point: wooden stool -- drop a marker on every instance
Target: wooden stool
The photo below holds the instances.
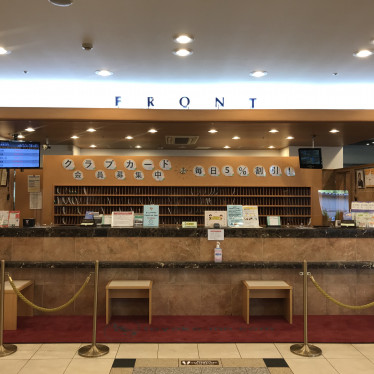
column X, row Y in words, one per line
column 128, row 289
column 13, row 306
column 267, row 289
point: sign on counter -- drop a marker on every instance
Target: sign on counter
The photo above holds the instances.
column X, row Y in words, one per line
column 151, row 216
column 216, row 234
column 234, row 216
column 122, row 219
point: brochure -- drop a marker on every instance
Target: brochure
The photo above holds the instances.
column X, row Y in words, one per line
column 138, row 220
column 106, row 219
column 234, row 216
column 151, row 216
column 250, row 216
column 13, row 220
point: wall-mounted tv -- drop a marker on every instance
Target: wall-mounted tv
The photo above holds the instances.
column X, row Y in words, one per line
column 310, row 158
column 19, row 155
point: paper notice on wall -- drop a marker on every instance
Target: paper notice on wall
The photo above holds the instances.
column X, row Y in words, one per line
column 36, row 200
column 33, row 184
column 4, row 177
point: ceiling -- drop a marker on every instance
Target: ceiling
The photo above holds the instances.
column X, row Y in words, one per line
column 294, row 41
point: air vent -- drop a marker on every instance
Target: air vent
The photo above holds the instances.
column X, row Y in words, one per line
column 181, row 140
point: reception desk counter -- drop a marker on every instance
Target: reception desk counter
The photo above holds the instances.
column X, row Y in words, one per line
column 180, row 264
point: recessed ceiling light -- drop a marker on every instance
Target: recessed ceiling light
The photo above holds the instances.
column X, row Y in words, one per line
column 3, row 51
column 334, row 131
column 273, row 131
column 236, row 137
column 363, row 53
column 271, row 146
column 138, row 146
column 104, row 73
column 290, row 137
column 183, row 52
column 91, row 130
column 367, row 143
column 20, row 136
column 74, row 137
column 183, row 38
column 129, row 137
column 258, row 73
column 30, row 129
column 152, row 131
column 86, row 46
column 92, row 146
column 61, row 2
column 212, row 131
column 226, row 147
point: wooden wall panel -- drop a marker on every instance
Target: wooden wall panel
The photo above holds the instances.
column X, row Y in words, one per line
column 55, row 174
column 22, row 195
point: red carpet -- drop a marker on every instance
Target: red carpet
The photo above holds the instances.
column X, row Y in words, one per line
column 194, row 329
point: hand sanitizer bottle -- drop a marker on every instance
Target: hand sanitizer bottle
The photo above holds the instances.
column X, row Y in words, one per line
column 218, row 253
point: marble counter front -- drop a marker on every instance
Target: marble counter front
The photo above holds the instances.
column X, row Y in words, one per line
column 180, row 263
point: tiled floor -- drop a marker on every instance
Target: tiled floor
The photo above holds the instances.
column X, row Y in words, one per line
column 190, row 359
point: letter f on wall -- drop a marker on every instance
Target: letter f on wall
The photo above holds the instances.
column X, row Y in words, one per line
column 118, row 100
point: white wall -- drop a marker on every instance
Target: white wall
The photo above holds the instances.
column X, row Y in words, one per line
column 166, row 152
column 285, row 152
column 57, row 150
column 332, row 157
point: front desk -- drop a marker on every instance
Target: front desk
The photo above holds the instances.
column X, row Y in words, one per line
column 186, row 281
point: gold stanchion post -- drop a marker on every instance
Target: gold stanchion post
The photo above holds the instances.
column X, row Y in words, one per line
column 5, row 349
column 94, row 350
column 306, row 349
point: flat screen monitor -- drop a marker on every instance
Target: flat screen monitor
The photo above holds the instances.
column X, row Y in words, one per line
column 19, row 155
column 310, row 158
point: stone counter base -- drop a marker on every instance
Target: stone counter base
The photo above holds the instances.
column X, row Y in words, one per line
column 199, row 291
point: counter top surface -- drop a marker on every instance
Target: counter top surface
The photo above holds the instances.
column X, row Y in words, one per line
column 279, row 232
column 191, row 265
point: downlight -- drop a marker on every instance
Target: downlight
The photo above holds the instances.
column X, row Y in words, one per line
column 104, row 73
column 4, row 51
column 183, row 38
column 61, row 2
column 363, row 53
column 183, row 52
column 258, row 73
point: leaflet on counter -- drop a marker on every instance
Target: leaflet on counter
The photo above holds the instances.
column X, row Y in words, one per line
column 151, row 216
column 250, row 216
column 234, row 216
